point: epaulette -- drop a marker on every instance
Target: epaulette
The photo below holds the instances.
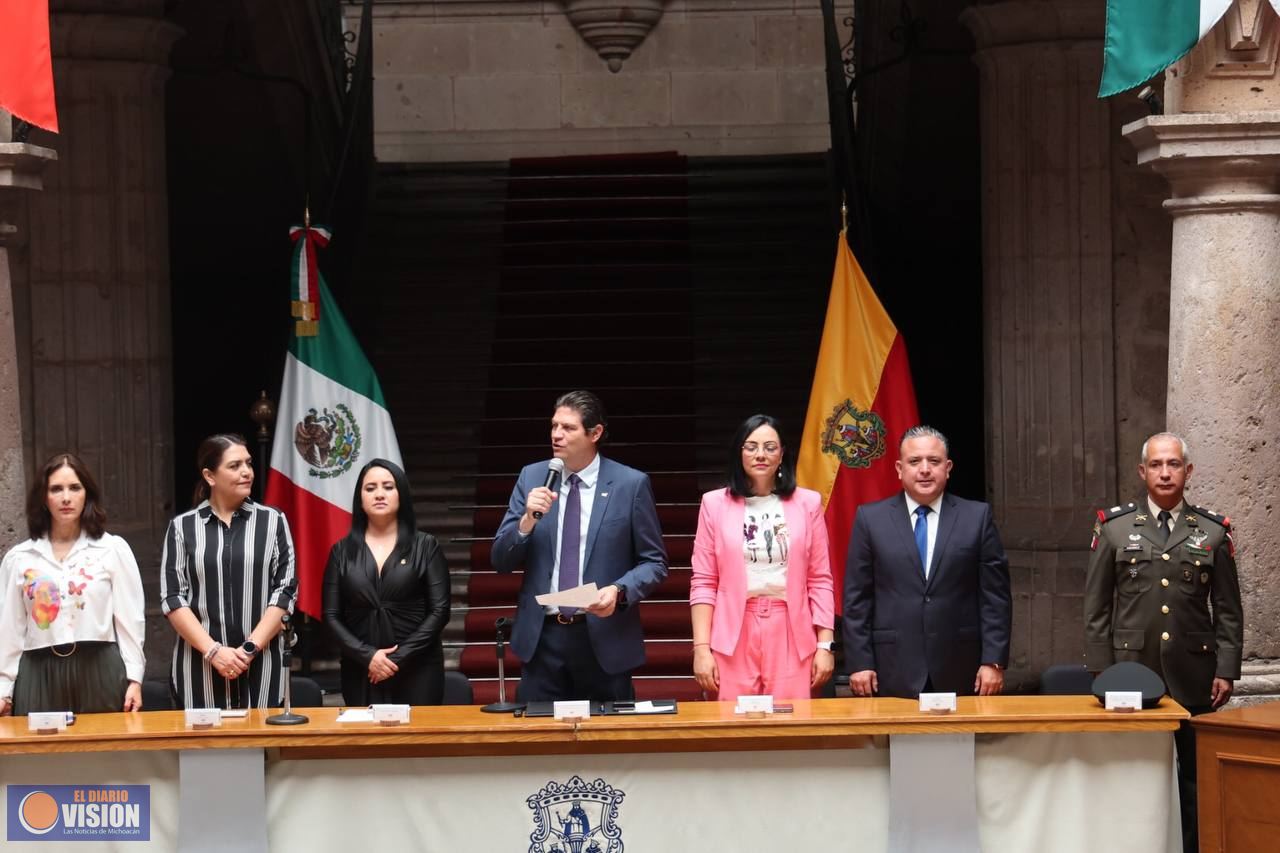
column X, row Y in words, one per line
column 1211, row 515
column 1105, row 515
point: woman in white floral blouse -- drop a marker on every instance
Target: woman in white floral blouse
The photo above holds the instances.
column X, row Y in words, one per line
column 71, row 611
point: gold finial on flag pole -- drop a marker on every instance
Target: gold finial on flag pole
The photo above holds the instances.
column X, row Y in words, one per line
column 844, row 213
column 306, row 211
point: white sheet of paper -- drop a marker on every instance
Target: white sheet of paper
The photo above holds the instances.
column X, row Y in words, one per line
column 356, row 715
column 579, row 596
column 647, row 707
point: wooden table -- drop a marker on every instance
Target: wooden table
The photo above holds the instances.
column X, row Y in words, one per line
column 473, row 772
column 1238, row 768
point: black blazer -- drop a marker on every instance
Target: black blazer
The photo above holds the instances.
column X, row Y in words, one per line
column 407, row 606
column 909, row 630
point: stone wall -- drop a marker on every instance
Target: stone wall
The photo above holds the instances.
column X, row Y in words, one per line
column 477, row 80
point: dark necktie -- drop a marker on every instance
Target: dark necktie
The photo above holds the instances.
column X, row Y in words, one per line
column 922, row 537
column 570, row 536
column 1162, row 521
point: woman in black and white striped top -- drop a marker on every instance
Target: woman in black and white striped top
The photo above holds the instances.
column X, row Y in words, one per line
column 227, row 578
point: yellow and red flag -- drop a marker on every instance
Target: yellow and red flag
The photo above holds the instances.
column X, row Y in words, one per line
column 26, row 66
column 861, row 403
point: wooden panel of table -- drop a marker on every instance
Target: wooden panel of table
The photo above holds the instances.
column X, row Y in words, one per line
column 699, row 726
column 1238, row 768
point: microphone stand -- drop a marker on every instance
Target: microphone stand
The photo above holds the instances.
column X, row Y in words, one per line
column 286, row 717
column 502, row 706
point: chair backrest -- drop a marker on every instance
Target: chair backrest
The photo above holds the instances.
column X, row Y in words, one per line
column 304, row 692
column 156, row 695
column 1066, row 679
column 457, row 688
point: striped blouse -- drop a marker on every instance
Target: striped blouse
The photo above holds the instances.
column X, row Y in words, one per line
column 228, row 575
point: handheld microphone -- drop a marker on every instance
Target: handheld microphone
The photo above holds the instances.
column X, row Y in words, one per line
column 554, row 469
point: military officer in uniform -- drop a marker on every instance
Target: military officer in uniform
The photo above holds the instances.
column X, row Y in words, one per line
column 1157, row 566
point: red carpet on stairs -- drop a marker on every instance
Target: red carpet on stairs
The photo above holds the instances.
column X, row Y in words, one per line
column 595, row 293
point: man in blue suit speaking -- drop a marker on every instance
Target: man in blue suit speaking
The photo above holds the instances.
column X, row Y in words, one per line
column 598, row 524
column 927, row 604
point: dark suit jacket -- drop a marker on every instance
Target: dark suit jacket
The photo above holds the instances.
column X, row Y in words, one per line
column 408, row 607
column 907, row 629
column 624, row 546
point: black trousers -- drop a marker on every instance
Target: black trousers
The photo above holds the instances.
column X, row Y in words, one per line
column 1184, row 741
column 564, row 667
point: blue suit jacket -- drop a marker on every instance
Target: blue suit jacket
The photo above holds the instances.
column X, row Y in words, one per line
column 907, row 629
column 624, row 546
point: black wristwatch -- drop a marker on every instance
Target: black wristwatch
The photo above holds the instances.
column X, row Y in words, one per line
column 622, row 595
column 250, row 648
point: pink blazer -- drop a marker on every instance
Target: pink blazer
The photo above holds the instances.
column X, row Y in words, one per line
column 720, row 570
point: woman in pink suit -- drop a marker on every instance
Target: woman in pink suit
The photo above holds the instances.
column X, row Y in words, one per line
column 761, row 594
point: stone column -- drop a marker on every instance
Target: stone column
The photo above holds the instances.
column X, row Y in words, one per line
column 20, row 167
column 1221, row 158
column 1048, row 336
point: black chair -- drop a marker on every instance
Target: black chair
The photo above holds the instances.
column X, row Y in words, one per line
column 156, row 695
column 457, row 688
column 1066, row 679
column 304, row 692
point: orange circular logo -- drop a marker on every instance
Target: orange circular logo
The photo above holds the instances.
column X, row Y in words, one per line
column 38, row 812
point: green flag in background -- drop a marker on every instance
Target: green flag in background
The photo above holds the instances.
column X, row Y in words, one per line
column 1144, row 37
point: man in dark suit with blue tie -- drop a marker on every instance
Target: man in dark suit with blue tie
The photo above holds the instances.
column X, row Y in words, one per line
column 927, row 604
column 599, row 525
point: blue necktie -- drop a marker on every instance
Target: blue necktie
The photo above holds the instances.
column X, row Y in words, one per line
column 922, row 537
column 570, row 536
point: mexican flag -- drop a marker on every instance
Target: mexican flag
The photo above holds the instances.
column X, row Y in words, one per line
column 1145, row 38
column 332, row 419
column 26, row 67
column 861, row 403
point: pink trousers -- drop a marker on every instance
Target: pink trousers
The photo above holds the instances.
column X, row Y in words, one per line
column 765, row 659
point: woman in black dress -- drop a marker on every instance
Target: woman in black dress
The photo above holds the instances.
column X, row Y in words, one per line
column 386, row 596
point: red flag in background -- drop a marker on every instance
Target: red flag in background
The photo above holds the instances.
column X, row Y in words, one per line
column 861, row 403
column 26, row 66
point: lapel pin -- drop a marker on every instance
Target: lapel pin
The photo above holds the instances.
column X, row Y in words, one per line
column 604, row 494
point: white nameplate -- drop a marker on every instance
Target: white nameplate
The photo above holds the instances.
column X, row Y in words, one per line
column 937, row 703
column 390, row 715
column 574, row 709
column 1124, row 700
column 203, row 718
column 47, row 721
column 762, row 704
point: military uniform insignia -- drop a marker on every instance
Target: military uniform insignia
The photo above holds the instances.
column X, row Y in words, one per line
column 1135, row 536
column 1133, row 546
column 1140, row 518
column 1186, row 574
column 1204, row 577
column 1197, row 538
column 1191, row 520
column 1223, row 520
column 1133, row 571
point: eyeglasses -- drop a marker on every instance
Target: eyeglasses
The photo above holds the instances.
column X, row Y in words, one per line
column 770, row 447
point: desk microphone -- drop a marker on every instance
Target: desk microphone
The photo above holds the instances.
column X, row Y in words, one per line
column 286, row 717
column 502, row 706
column 554, row 469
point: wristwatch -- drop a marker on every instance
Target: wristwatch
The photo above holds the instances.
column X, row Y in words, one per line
column 622, row 595
column 250, row 648
column 826, row 645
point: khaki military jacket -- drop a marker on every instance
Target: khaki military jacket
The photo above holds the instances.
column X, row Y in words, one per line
column 1173, row 606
